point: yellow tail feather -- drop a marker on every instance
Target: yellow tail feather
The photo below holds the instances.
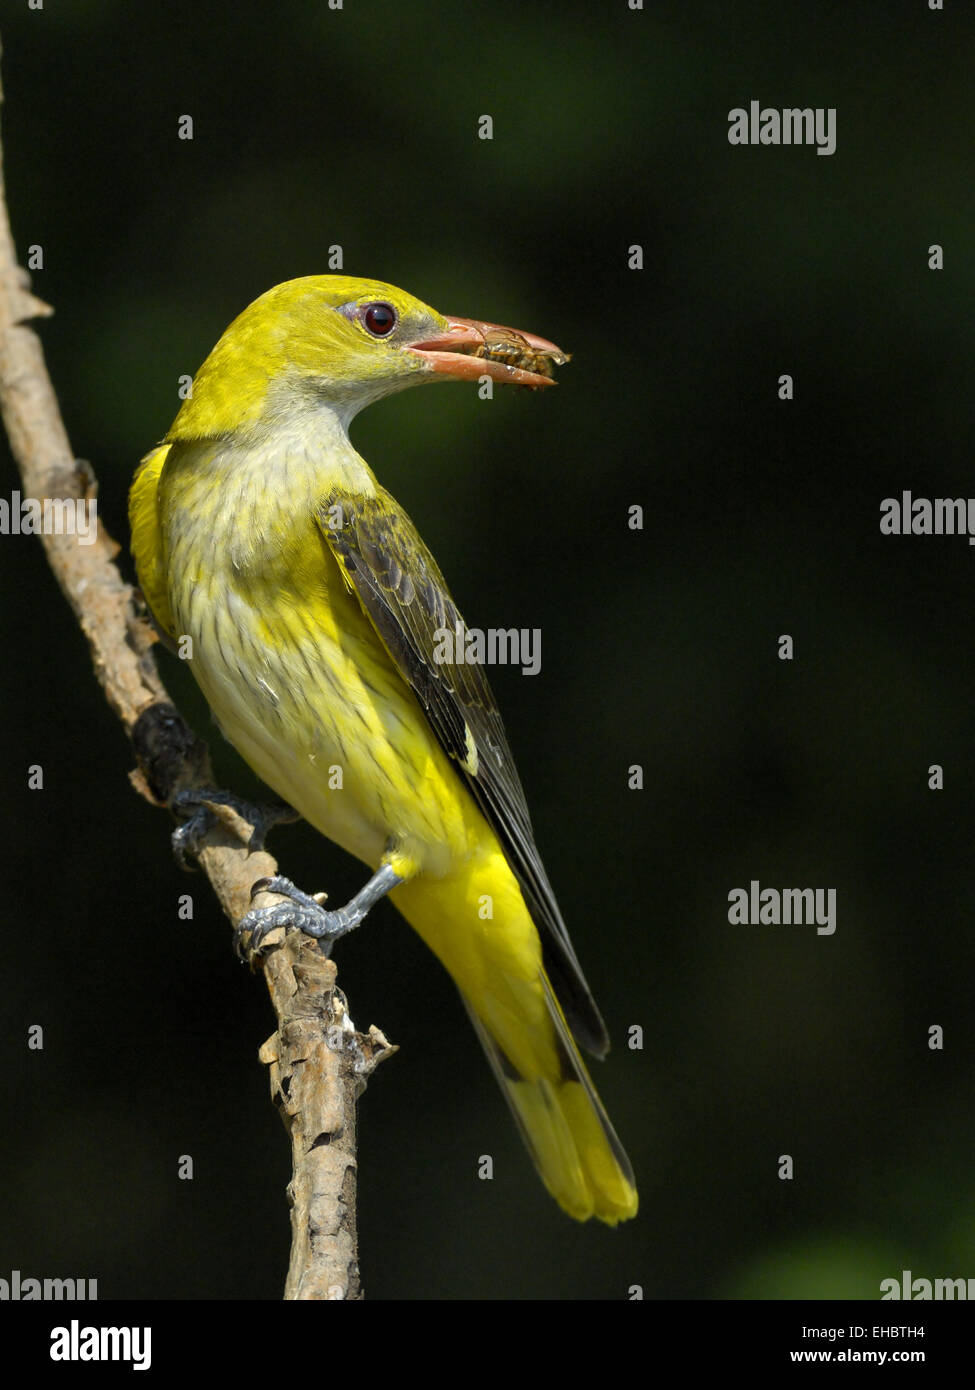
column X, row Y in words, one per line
column 565, row 1128
column 496, row 964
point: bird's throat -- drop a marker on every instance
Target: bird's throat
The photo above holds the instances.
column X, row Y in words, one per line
column 248, row 503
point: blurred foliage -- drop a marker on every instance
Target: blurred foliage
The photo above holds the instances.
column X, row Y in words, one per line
column 316, row 127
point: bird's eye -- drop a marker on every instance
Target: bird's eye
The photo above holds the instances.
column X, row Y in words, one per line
column 379, row 319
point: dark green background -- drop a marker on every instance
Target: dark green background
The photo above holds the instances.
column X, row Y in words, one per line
column 358, row 127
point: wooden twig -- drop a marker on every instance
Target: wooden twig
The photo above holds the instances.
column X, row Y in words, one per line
column 318, row 1063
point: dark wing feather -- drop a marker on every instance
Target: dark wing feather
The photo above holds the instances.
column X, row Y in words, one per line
column 402, row 591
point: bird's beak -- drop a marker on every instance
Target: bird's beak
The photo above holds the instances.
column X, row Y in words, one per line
column 470, row 349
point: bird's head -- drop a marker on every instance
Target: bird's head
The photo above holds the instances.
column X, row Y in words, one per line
column 342, row 342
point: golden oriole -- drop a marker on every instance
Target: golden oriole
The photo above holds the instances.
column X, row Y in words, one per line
column 315, row 611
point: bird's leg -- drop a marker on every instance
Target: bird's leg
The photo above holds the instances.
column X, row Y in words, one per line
column 307, row 914
column 195, row 806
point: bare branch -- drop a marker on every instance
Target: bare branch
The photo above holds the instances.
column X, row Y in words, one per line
column 318, row 1063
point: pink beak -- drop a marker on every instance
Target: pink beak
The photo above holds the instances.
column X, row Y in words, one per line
column 452, row 354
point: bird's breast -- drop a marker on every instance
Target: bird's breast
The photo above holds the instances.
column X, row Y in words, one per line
column 296, row 675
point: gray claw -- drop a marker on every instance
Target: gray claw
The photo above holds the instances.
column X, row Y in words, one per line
column 301, row 912
column 186, row 838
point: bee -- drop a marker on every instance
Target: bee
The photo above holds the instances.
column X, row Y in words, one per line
column 513, row 350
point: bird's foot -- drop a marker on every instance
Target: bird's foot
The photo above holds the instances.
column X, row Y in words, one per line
column 302, row 912
column 196, row 807
column 307, row 914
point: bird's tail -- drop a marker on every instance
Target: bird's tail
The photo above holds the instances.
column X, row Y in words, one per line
column 565, row 1128
column 497, row 966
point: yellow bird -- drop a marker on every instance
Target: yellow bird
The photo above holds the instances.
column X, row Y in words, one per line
column 320, row 626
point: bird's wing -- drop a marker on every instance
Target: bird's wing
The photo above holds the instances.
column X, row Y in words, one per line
column 397, row 581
